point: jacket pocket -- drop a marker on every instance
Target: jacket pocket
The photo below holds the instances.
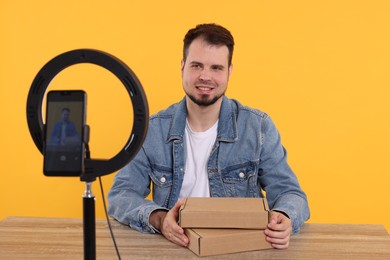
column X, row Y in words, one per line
column 240, row 181
column 162, row 185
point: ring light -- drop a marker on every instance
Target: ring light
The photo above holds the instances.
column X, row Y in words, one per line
column 93, row 167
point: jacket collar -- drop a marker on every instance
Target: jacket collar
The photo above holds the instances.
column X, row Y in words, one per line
column 227, row 125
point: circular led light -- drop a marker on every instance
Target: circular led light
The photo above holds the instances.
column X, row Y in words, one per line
column 93, row 167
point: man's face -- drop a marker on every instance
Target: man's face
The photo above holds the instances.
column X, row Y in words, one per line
column 65, row 115
column 205, row 73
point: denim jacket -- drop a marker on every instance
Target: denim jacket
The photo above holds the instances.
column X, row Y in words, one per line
column 246, row 159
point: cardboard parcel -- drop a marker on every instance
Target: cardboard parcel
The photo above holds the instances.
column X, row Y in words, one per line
column 251, row 213
column 224, row 225
column 207, row 241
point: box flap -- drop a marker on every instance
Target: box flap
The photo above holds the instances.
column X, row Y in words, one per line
column 265, row 205
column 182, row 207
column 194, row 238
column 217, row 204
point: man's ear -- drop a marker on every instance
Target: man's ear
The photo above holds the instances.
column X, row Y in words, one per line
column 230, row 70
column 182, row 67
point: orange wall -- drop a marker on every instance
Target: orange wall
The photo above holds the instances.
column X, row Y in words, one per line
column 319, row 68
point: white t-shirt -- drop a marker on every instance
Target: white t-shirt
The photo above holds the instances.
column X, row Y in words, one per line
column 198, row 147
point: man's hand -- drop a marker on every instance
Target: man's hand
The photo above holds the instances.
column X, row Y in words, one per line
column 278, row 230
column 166, row 222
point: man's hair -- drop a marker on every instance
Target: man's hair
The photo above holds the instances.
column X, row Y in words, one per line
column 213, row 34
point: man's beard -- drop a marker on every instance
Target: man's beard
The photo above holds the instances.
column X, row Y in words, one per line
column 204, row 100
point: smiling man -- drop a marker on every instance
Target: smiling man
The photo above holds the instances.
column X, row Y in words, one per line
column 208, row 145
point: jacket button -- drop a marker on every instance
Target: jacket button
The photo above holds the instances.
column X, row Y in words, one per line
column 241, row 175
column 163, row 179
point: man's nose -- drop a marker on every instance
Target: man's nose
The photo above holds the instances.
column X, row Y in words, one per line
column 204, row 74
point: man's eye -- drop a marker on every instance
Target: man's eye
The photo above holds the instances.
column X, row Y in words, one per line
column 219, row 68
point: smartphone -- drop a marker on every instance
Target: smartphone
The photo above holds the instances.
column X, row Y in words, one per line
column 64, row 147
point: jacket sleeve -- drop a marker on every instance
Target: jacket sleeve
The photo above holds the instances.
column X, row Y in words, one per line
column 278, row 180
column 126, row 199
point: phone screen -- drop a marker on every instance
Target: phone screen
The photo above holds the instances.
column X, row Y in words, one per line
column 65, row 120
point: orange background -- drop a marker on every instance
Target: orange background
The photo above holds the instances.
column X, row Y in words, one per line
column 319, row 68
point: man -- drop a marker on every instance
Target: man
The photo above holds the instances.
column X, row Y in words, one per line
column 64, row 132
column 208, row 146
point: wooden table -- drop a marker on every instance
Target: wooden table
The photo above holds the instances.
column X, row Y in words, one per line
column 53, row 238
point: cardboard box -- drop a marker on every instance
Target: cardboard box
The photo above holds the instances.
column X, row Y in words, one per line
column 244, row 213
column 207, row 242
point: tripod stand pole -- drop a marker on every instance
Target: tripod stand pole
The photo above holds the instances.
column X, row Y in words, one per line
column 89, row 223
